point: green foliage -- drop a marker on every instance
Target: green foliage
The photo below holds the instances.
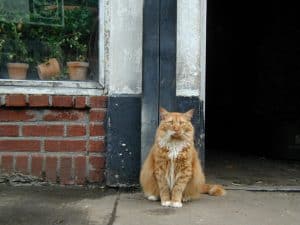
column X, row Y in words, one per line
column 14, row 48
column 36, row 43
column 67, row 43
column 2, row 42
column 76, row 33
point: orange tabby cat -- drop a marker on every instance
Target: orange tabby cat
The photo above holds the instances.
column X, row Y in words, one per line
column 172, row 170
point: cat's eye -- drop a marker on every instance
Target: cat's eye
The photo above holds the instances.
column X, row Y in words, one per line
column 170, row 122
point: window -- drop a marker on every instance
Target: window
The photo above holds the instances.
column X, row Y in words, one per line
column 49, row 40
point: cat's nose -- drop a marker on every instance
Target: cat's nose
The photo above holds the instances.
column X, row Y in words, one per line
column 176, row 129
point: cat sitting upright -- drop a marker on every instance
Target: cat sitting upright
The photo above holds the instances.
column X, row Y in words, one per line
column 172, row 171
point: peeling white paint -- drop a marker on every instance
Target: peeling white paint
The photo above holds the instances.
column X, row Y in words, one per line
column 188, row 66
column 125, row 47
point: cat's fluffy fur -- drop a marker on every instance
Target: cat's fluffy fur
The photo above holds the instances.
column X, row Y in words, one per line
column 172, row 171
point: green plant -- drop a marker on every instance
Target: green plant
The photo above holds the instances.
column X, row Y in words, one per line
column 2, row 42
column 14, row 47
column 76, row 34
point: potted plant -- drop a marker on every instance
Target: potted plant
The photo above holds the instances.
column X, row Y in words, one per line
column 75, row 41
column 51, row 68
column 77, row 60
column 15, row 51
column 49, row 57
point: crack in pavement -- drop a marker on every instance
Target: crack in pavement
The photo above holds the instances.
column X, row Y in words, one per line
column 114, row 212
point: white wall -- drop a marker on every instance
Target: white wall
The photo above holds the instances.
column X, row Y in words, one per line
column 191, row 26
column 123, row 31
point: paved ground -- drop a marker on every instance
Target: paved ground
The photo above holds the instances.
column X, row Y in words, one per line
column 61, row 206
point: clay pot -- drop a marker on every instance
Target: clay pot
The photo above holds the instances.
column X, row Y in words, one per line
column 48, row 69
column 77, row 70
column 17, row 71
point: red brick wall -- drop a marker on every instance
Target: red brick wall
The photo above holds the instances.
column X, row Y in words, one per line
column 57, row 138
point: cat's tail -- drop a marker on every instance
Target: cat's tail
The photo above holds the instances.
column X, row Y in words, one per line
column 212, row 189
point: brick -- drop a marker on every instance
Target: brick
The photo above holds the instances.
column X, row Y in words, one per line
column 51, row 168
column 66, row 171
column 97, row 146
column 43, row 130
column 15, row 100
column 65, row 145
column 96, row 163
column 39, row 100
column 20, row 145
column 97, row 130
column 9, row 130
column 98, row 101
column 37, row 165
column 96, row 171
column 7, row 115
column 80, row 170
column 6, row 163
column 76, row 130
column 97, row 115
column 22, row 164
column 64, row 115
column 96, row 176
column 80, row 102
column 62, row 101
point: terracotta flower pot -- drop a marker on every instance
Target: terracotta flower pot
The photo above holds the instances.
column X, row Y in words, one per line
column 48, row 69
column 77, row 70
column 17, row 71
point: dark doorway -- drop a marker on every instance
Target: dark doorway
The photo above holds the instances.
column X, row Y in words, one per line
column 253, row 84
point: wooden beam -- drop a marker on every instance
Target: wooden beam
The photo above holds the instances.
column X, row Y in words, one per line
column 150, row 98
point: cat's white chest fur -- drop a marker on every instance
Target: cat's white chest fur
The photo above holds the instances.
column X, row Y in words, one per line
column 174, row 147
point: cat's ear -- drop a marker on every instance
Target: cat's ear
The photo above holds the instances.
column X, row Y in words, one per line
column 189, row 114
column 163, row 113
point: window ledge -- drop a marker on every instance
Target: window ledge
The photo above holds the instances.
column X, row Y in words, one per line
column 50, row 87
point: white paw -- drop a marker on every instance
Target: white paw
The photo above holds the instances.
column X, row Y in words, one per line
column 176, row 204
column 152, row 198
column 166, row 203
column 186, row 199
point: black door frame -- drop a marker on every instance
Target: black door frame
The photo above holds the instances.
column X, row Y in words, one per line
column 159, row 65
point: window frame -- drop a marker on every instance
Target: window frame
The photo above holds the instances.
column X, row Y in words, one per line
column 9, row 86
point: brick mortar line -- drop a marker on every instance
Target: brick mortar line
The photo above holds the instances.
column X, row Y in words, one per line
column 50, row 138
column 42, row 146
column 50, row 101
column 46, row 123
column 87, row 97
column 58, row 166
column 73, row 168
column 29, row 164
column 53, row 154
column 65, row 130
column 14, row 161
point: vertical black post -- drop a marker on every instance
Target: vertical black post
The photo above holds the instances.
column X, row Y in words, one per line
column 123, row 140
column 159, row 65
column 150, row 98
column 168, row 22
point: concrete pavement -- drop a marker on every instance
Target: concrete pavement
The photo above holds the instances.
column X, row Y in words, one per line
column 74, row 206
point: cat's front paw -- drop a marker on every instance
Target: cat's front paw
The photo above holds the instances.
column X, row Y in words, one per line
column 166, row 203
column 152, row 198
column 176, row 204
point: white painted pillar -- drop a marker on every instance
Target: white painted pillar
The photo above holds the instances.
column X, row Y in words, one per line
column 123, row 32
column 191, row 41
